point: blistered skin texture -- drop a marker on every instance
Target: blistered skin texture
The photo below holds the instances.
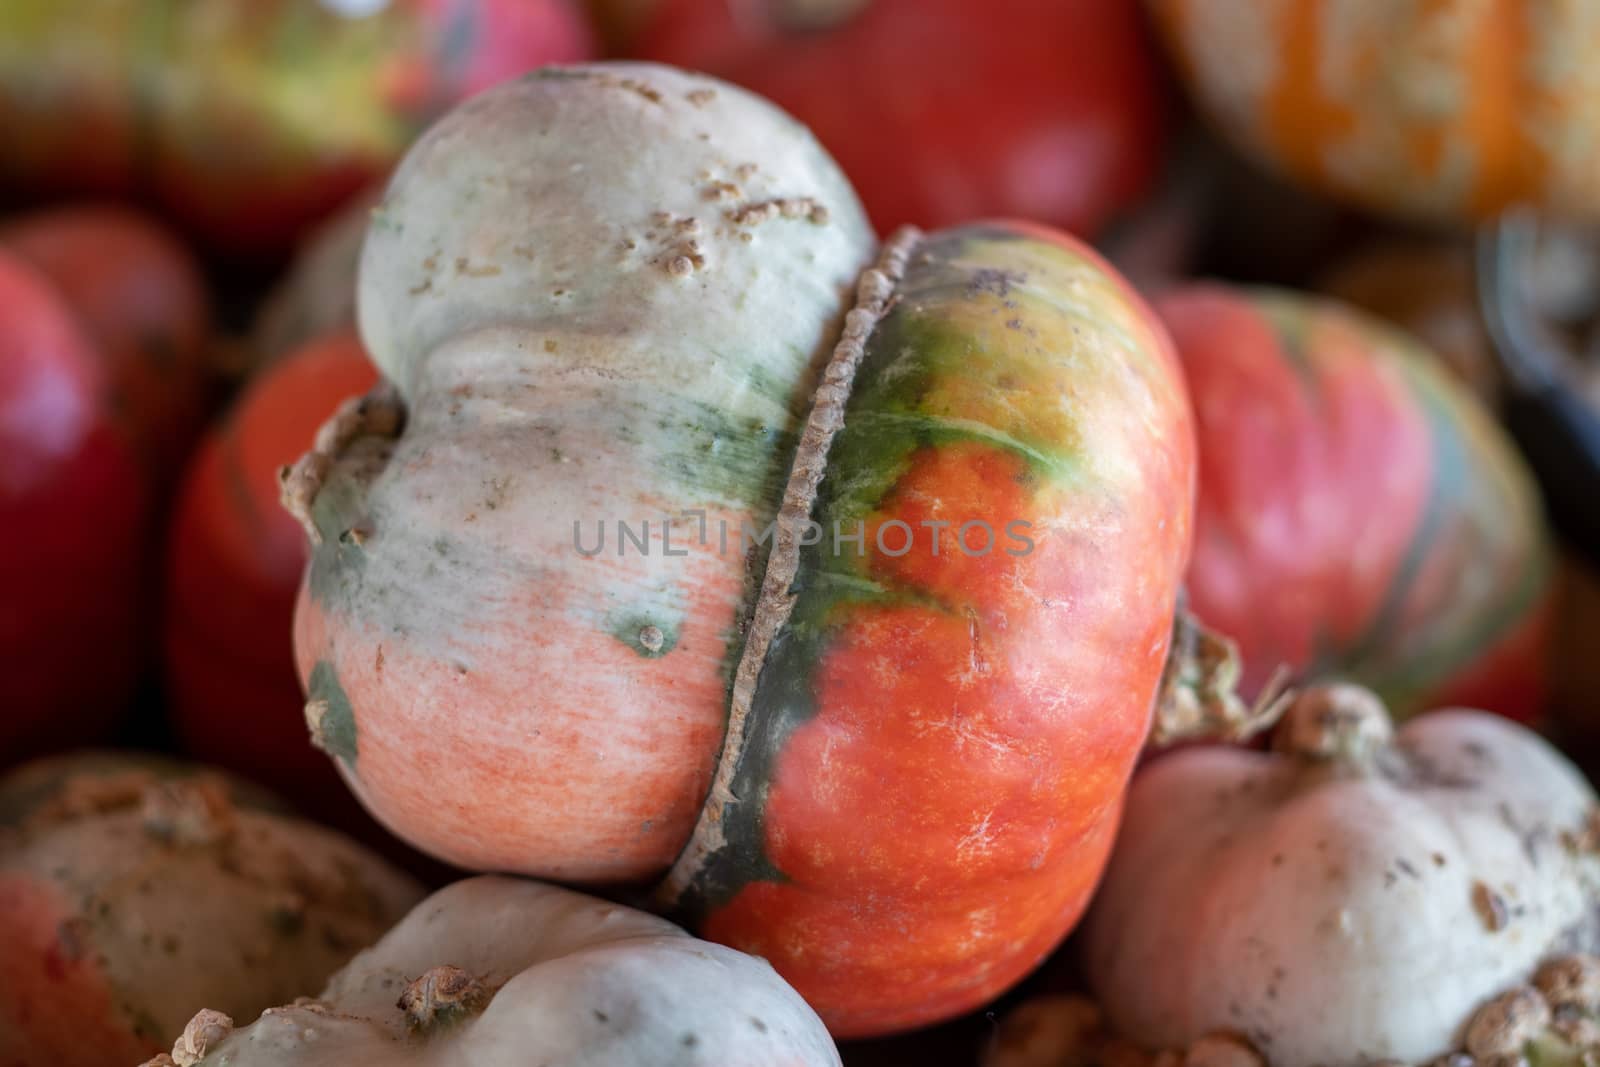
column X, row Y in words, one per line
column 570, row 981
column 1360, row 515
column 74, row 508
column 1446, row 111
column 931, row 773
column 1338, row 917
column 601, row 293
column 234, row 562
column 133, row 893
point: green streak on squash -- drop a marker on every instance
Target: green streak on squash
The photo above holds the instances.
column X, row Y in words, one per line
column 992, row 336
column 336, row 729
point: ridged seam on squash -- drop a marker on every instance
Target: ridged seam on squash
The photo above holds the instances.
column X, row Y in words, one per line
column 874, row 298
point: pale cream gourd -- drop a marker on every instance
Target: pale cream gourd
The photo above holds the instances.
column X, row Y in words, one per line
column 1554, row 1021
column 1354, row 896
column 496, row 970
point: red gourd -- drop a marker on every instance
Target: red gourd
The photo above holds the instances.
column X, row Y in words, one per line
column 1360, row 514
column 140, row 299
column 235, row 559
column 941, row 111
column 75, row 509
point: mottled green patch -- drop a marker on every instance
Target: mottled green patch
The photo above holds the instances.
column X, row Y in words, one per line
column 336, row 733
column 337, row 563
column 915, row 365
column 784, row 701
column 714, row 455
column 651, row 636
column 774, row 384
column 868, row 458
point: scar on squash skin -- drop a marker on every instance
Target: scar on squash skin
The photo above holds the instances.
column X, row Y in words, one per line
column 1491, row 907
column 645, row 636
column 875, row 295
column 610, row 81
column 464, row 268
column 380, row 413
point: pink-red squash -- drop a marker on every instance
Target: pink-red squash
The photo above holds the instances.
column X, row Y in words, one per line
column 1360, row 515
column 76, row 508
column 140, row 299
column 613, row 295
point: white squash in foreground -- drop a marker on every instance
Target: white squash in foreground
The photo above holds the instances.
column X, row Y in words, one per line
column 1355, row 896
column 499, row 971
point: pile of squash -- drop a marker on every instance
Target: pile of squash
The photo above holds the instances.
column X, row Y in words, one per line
column 799, row 564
